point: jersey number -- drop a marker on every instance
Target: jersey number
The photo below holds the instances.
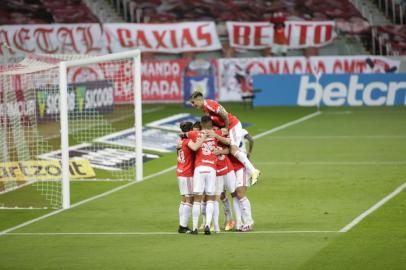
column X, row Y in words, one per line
column 207, row 148
column 181, row 156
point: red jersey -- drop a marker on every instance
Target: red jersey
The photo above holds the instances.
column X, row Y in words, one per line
column 204, row 155
column 236, row 163
column 224, row 165
column 212, row 107
column 186, row 158
column 279, row 36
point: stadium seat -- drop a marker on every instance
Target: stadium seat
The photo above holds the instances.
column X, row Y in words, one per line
column 45, row 11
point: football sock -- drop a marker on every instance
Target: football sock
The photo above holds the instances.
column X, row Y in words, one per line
column 237, row 211
column 242, row 157
column 227, row 209
column 209, row 212
column 187, row 208
column 246, row 211
column 196, row 214
column 204, row 212
column 181, row 212
column 216, row 216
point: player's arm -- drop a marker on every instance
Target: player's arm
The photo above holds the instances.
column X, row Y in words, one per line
column 224, row 115
column 250, row 140
column 221, row 151
column 179, row 145
column 195, row 145
column 218, row 136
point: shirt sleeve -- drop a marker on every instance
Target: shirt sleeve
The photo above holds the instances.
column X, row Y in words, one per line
column 192, row 135
column 212, row 106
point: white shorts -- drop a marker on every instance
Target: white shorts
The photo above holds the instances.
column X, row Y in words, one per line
column 242, row 178
column 226, row 182
column 219, row 185
column 204, row 180
column 236, row 136
column 185, row 185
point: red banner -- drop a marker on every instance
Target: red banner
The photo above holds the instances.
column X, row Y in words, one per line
column 259, row 35
column 161, row 80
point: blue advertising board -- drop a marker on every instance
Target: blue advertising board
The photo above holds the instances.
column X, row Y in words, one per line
column 331, row 90
column 203, row 83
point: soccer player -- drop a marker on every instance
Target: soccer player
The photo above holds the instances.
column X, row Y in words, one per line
column 184, row 173
column 226, row 180
column 241, row 203
column 230, row 124
column 204, row 179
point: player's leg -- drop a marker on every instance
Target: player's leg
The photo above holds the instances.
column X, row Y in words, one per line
column 229, row 185
column 203, row 211
column 185, row 206
column 218, row 192
column 244, row 202
column 182, row 203
column 198, row 188
column 239, row 153
column 188, row 204
column 210, row 190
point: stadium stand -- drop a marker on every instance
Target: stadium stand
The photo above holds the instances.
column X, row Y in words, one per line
column 245, row 10
column 45, row 11
column 389, row 40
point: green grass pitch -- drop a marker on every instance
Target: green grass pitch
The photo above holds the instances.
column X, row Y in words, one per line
column 318, row 176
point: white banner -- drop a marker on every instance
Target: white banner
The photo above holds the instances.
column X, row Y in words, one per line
column 52, row 39
column 107, row 38
column 300, row 34
column 168, row 37
column 235, row 74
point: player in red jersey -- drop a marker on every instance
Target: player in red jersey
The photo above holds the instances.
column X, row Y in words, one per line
column 226, row 180
column 184, row 172
column 229, row 123
column 241, row 203
column 204, row 179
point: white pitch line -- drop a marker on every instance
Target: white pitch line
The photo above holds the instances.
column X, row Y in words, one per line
column 373, row 208
column 344, row 163
column 84, row 201
column 297, row 121
column 9, row 230
column 156, row 233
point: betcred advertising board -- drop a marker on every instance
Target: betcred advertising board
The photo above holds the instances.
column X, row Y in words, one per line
column 331, row 90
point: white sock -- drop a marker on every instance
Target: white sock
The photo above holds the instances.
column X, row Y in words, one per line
column 209, row 212
column 181, row 212
column 242, row 157
column 204, row 212
column 246, row 211
column 196, row 214
column 187, row 208
column 216, row 216
column 227, row 209
column 237, row 211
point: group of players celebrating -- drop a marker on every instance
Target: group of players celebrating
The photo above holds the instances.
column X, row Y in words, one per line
column 211, row 159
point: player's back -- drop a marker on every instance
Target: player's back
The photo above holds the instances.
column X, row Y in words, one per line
column 186, row 158
column 205, row 154
column 212, row 108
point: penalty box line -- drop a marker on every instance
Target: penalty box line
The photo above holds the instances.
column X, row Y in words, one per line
column 260, row 135
column 373, row 208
